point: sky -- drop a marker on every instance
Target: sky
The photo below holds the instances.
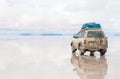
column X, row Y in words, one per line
column 57, row 14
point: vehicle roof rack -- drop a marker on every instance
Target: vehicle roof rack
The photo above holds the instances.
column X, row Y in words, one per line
column 92, row 25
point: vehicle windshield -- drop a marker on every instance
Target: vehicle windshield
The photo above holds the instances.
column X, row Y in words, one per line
column 95, row 34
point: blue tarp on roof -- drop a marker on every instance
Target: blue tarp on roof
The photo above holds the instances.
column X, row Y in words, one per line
column 91, row 25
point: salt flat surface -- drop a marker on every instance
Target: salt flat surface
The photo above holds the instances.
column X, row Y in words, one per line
column 51, row 58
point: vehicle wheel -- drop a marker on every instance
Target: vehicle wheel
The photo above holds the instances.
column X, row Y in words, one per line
column 102, row 52
column 71, row 43
column 82, row 53
column 73, row 48
column 73, row 51
column 91, row 53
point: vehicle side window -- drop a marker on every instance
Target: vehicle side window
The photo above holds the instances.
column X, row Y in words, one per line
column 79, row 34
column 82, row 34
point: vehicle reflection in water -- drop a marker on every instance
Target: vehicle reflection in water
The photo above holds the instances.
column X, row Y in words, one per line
column 90, row 67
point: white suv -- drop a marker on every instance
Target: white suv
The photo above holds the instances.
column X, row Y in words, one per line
column 90, row 38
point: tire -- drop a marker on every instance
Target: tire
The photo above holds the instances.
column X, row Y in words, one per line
column 91, row 53
column 71, row 43
column 73, row 51
column 102, row 52
column 82, row 53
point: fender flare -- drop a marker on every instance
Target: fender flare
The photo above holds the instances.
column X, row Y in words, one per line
column 71, row 43
column 80, row 44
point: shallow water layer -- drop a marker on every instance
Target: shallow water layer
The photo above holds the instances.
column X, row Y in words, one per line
column 51, row 58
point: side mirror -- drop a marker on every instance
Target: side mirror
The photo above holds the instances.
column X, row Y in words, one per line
column 75, row 36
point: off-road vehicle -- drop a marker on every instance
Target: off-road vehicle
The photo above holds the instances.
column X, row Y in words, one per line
column 90, row 38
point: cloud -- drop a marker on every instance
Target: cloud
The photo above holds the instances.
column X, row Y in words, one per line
column 52, row 13
column 86, row 5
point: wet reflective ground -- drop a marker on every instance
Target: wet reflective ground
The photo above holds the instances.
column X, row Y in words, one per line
column 90, row 67
column 52, row 59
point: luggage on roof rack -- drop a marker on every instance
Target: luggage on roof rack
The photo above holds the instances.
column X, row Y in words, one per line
column 91, row 26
